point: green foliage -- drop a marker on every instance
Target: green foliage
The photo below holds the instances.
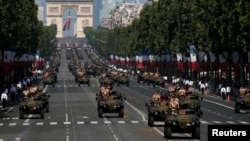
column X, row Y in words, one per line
column 217, row 26
column 21, row 28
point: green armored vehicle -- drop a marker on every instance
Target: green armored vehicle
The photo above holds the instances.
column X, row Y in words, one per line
column 193, row 102
column 122, row 79
column 182, row 121
column 105, row 79
column 158, row 80
column 44, row 98
column 90, row 70
column 114, row 75
column 110, row 103
column 82, row 78
column 31, row 104
column 157, row 111
column 242, row 102
column 49, row 78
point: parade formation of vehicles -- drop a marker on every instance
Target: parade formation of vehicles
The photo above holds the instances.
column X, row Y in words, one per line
column 183, row 117
column 178, row 109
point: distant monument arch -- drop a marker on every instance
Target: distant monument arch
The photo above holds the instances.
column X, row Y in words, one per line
column 80, row 18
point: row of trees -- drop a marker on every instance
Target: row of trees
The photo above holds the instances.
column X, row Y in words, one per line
column 221, row 27
column 21, row 30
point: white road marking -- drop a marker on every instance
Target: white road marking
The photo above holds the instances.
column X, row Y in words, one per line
column 94, row 122
column 134, row 121
column 12, row 124
column 66, row 123
column 26, row 123
column 107, row 122
column 39, row 123
column 121, row 121
column 53, row 123
column 80, row 122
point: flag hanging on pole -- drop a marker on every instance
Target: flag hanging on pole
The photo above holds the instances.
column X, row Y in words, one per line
column 193, row 57
column 67, row 23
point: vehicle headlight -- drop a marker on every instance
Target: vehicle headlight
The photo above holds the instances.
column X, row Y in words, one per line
column 173, row 123
column 195, row 122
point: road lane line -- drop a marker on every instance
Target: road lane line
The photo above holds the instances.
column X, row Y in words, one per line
column 218, row 104
column 143, row 116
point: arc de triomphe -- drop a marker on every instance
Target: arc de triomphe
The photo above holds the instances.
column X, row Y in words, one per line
column 84, row 14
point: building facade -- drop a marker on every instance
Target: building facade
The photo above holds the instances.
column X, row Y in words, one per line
column 125, row 14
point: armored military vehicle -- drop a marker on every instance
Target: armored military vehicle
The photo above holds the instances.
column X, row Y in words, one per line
column 243, row 101
column 157, row 111
column 122, row 79
column 158, row 80
column 82, row 78
column 49, row 78
column 31, row 103
column 90, row 70
column 193, row 102
column 182, row 121
column 44, row 98
column 111, row 103
column 105, row 79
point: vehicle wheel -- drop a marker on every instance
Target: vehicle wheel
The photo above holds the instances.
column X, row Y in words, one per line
column 121, row 113
column 150, row 120
column 79, row 84
column 88, row 83
column 127, row 84
column 53, row 85
column 21, row 114
column 100, row 112
column 47, row 108
column 237, row 108
column 167, row 132
column 196, row 133
column 42, row 114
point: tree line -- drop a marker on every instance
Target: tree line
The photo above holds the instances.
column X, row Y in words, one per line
column 21, row 29
column 217, row 26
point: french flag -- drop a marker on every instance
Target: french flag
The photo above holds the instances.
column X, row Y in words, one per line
column 67, row 24
column 193, row 57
